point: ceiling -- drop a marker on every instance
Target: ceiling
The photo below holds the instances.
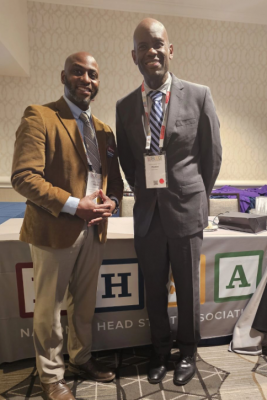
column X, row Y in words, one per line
column 248, row 11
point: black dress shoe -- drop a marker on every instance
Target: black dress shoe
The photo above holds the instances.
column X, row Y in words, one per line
column 184, row 371
column 94, row 370
column 157, row 368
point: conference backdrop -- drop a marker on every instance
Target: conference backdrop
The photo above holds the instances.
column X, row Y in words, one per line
column 229, row 57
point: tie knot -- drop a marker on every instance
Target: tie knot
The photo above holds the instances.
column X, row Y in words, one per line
column 156, row 96
column 84, row 117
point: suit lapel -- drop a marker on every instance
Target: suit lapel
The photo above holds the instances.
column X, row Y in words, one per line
column 139, row 121
column 65, row 115
column 101, row 141
column 174, row 107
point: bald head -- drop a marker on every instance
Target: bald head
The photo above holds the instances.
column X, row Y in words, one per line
column 81, row 79
column 152, row 51
column 81, row 55
column 149, row 24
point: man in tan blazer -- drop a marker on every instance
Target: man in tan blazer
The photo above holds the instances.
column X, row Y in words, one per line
column 64, row 159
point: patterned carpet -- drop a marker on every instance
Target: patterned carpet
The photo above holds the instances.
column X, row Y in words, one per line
column 220, row 375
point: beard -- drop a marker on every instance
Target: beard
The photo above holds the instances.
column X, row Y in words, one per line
column 70, row 92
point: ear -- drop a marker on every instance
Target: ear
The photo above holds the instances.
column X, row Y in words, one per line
column 134, row 57
column 171, row 52
column 63, row 77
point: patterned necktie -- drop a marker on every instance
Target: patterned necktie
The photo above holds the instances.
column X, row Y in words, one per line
column 90, row 143
column 156, row 118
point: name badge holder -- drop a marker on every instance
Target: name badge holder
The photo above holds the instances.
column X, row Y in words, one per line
column 156, row 170
column 94, row 182
column 155, row 164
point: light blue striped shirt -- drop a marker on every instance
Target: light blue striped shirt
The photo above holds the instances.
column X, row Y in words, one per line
column 76, row 112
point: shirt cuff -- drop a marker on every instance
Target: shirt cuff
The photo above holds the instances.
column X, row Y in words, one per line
column 71, row 205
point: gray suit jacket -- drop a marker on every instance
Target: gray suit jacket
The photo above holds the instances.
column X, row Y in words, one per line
column 193, row 150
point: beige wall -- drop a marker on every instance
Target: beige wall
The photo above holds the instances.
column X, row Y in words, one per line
column 14, row 50
column 229, row 57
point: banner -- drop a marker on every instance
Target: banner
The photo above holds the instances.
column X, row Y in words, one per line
column 230, row 269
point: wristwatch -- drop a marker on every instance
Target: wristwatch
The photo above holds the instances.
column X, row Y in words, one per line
column 116, row 209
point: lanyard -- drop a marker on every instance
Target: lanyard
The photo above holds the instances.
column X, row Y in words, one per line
column 164, row 122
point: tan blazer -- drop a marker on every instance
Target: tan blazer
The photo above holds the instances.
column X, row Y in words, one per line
column 49, row 165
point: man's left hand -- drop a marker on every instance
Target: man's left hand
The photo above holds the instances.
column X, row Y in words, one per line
column 105, row 200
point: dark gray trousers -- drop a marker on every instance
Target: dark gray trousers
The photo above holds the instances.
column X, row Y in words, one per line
column 155, row 253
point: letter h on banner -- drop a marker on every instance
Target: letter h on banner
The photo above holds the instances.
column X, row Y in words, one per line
column 109, row 285
column 120, row 286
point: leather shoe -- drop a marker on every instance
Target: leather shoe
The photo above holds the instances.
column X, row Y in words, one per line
column 57, row 391
column 92, row 369
column 184, row 371
column 157, row 368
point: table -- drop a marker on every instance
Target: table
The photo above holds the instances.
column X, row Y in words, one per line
column 11, row 210
column 231, row 268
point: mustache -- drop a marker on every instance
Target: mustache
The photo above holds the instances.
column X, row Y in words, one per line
column 69, row 89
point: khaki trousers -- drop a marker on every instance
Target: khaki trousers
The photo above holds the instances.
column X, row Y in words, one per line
column 56, row 270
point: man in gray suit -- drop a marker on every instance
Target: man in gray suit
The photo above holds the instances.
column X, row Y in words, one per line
column 170, row 151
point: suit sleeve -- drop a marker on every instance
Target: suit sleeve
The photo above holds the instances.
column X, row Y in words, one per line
column 210, row 143
column 115, row 183
column 125, row 153
column 28, row 168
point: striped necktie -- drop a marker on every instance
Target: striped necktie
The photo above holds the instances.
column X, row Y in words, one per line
column 156, row 118
column 90, row 143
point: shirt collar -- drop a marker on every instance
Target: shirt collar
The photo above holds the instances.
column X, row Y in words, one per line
column 76, row 111
column 163, row 88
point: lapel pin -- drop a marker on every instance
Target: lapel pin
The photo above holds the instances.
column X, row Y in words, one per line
column 110, row 151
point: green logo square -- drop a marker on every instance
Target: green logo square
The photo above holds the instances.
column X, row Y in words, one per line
column 237, row 275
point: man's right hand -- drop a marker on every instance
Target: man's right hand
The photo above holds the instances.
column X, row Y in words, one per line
column 89, row 210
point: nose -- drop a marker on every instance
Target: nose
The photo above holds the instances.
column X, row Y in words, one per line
column 86, row 78
column 152, row 51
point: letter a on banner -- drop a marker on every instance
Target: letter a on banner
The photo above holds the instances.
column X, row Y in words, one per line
column 237, row 275
column 241, row 277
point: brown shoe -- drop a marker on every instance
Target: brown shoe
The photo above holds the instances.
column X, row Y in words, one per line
column 92, row 369
column 57, row 391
